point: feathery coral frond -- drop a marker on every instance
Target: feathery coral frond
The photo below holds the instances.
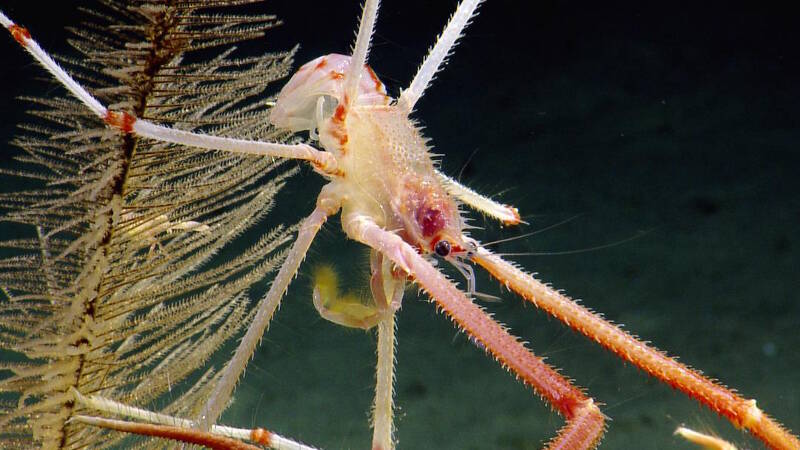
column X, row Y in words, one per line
column 114, row 291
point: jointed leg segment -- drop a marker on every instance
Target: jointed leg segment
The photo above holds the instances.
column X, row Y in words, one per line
column 585, row 422
column 383, row 406
column 127, row 123
column 180, row 434
column 387, row 289
column 266, row 308
column 323, row 161
column 741, row 412
column 150, row 423
column 360, row 49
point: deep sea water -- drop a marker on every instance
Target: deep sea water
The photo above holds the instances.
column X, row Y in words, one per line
column 675, row 126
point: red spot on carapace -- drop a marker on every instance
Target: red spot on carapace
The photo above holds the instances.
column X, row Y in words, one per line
column 337, row 129
column 20, row 34
column 322, row 63
column 337, row 75
column 120, row 120
column 430, row 220
column 340, row 113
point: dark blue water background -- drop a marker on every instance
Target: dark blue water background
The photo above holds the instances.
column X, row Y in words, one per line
column 674, row 123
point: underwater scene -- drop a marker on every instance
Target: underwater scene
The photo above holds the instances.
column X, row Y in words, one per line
column 653, row 152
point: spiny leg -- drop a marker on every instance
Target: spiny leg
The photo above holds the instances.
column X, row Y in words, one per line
column 740, row 412
column 170, row 432
column 433, row 62
column 217, row 401
column 322, row 161
column 438, row 54
column 387, row 290
column 585, row 422
column 383, row 406
column 127, row 123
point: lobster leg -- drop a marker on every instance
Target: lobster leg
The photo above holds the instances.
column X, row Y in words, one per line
column 741, row 412
column 127, row 123
column 217, row 400
column 585, row 422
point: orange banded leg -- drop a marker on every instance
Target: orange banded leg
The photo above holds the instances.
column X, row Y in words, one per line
column 437, row 55
column 739, row 411
column 585, row 422
column 126, row 123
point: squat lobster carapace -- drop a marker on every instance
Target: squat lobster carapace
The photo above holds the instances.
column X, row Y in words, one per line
column 392, row 198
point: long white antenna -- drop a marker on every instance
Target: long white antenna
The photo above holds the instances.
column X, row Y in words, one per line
column 438, row 54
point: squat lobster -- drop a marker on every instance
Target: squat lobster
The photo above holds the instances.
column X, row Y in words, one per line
column 392, row 198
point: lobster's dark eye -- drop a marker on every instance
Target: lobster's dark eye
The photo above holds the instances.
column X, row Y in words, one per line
column 442, row 248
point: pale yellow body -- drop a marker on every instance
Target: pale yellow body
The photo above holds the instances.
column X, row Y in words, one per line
column 384, row 169
column 388, row 173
